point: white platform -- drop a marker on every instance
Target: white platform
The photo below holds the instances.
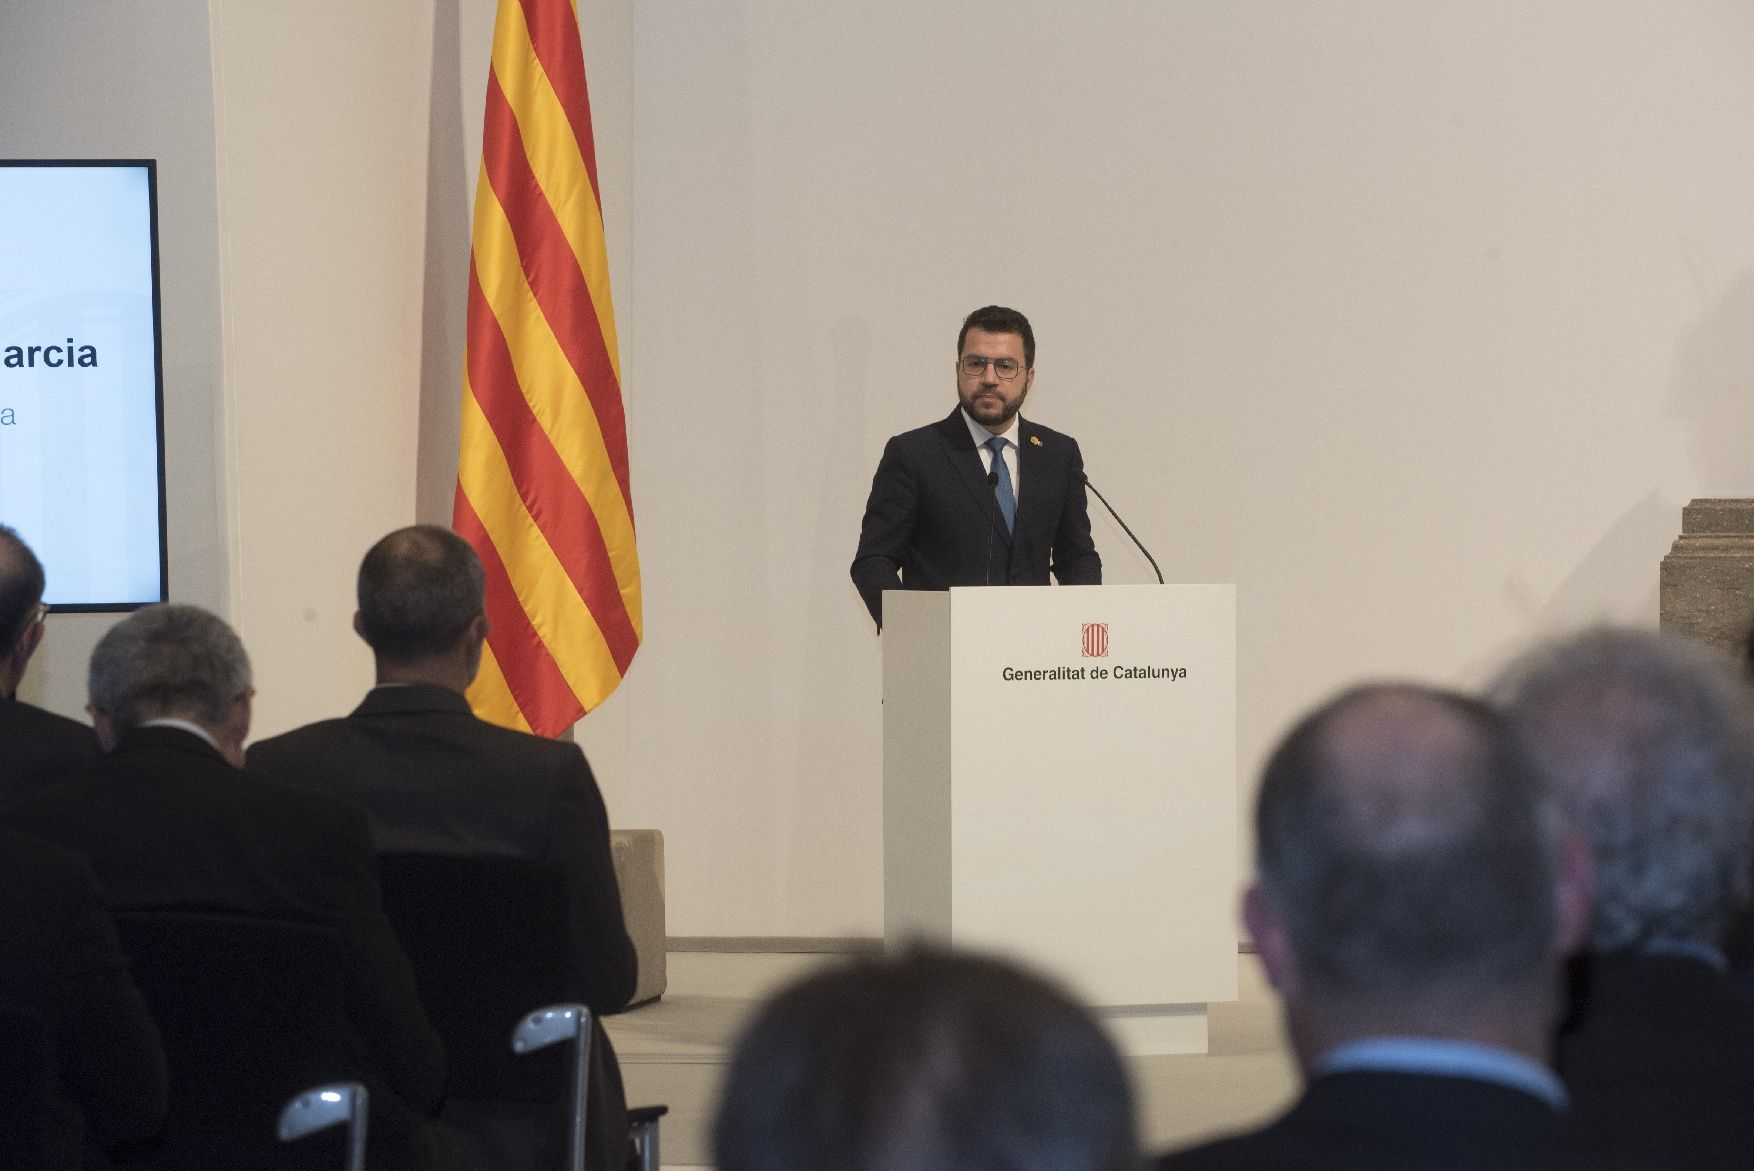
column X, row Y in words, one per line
column 1075, row 810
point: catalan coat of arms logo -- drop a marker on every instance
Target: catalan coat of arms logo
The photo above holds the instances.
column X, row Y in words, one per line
column 1096, row 640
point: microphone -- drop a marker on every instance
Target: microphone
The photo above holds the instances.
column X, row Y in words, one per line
column 1124, row 528
column 992, row 519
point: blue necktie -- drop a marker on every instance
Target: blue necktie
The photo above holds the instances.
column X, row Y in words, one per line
column 1002, row 486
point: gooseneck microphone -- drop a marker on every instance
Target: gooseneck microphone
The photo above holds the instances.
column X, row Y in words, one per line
column 1124, row 528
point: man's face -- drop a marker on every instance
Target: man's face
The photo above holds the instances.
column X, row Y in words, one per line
column 991, row 400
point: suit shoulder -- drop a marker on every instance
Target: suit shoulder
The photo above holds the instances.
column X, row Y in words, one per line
column 297, row 739
column 294, row 800
column 1033, row 431
column 21, row 854
column 929, row 435
column 49, row 730
column 553, row 754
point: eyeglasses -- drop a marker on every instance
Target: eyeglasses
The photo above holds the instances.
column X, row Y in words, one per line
column 974, row 366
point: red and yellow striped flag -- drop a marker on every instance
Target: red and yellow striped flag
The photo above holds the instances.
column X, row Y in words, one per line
column 542, row 484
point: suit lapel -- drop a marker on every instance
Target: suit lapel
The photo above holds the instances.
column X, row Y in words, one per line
column 1037, row 462
column 965, row 458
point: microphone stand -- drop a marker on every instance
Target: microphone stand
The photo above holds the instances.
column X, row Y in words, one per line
column 1125, row 529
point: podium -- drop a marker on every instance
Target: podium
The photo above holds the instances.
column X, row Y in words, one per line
column 1059, row 786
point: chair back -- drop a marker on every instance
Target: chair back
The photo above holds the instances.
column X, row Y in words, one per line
column 36, row 1130
column 486, row 936
column 252, row 1012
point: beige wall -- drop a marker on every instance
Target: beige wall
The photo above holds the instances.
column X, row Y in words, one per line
column 90, row 79
column 322, row 119
column 1418, row 322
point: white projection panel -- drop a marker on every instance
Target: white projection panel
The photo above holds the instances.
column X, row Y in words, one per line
column 81, row 463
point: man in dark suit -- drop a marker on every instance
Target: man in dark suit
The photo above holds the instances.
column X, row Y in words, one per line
column 1649, row 742
column 1413, row 901
column 168, row 820
column 35, row 746
column 63, row 966
column 434, row 778
column 983, row 497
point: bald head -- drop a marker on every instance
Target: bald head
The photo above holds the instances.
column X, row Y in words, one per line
column 1406, row 848
column 21, row 588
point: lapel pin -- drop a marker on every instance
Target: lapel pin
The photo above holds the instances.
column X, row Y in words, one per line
column 1035, row 439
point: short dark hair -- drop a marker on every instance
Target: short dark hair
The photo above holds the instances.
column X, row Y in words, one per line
column 21, row 587
column 1408, row 847
column 168, row 661
column 419, row 588
column 928, row 1060
column 998, row 319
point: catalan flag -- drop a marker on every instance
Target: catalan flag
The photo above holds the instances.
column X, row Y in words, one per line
column 542, row 480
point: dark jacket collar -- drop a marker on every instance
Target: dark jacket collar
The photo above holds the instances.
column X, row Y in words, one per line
column 954, row 429
column 408, row 698
column 177, row 739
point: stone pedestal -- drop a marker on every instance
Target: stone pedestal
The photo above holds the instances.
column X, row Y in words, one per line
column 639, row 871
column 1708, row 577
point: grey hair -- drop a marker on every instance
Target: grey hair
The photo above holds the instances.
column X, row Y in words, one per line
column 1648, row 740
column 168, row 661
column 1408, row 848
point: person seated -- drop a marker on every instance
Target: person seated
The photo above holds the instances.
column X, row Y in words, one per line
column 170, row 820
column 433, row 778
column 1413, row 902
column 1648, row 740
column 64, row 969
column 930, row 1061
column 36, row 746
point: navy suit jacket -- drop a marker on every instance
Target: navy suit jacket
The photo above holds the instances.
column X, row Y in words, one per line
column 1658, row 1055
column 1388, row 1121
column 38, row 747
column 64, row 966
column 433, row 778
column 168, row 824
column 931, row 521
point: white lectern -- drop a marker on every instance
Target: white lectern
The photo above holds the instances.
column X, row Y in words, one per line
column 1059, row 784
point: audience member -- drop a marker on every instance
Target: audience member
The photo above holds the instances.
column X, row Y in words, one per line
column 35, row 745
column 930, row 1061
column 1413, row 901
column 64, row 968
column 434, row 778
column 169, row 821
column 1648, row 742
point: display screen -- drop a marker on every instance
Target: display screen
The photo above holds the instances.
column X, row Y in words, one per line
column 81, row 381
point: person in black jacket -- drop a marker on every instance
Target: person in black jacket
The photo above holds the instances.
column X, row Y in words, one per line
column 64, row 968
column 1414, row 899
column 947, row 509
column 1649, row 742
column 169, row 820
column 433, row 778
column 36, row 746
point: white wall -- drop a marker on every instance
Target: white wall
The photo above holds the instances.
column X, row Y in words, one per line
column 1418, row 322
column 322, row 117
column 87, row 79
